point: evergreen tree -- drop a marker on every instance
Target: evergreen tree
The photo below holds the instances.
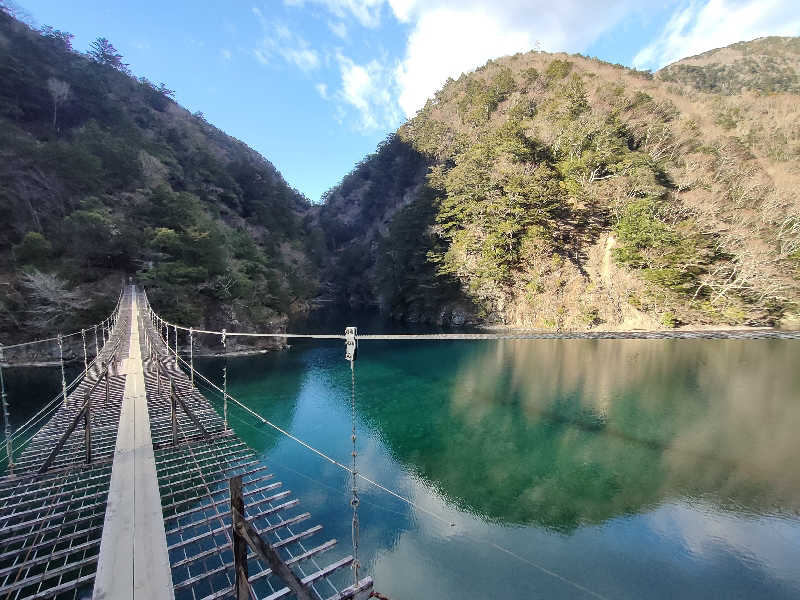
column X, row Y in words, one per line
column 105, row 53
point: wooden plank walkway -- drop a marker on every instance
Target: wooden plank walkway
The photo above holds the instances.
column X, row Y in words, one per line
column 133, row 554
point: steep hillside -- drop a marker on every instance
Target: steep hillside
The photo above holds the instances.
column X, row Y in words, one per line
column 765, row 65
column 103, row 176
column 563, row 192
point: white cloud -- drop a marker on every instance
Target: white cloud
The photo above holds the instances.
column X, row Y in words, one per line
column 368, row 89
column 322, row 90
column 402, row 9
column 226, row 54
column 697, row 27
column 448, row 39
column 366, row 12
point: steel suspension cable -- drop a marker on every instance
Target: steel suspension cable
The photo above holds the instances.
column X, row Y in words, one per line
column 351, row 355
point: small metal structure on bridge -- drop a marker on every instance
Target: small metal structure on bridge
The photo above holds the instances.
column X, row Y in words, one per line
column 126, row 492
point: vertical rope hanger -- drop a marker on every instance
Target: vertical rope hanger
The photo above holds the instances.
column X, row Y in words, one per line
column 6, row 417
column 191, row 353
column 61, row 356
column 96, row 345
column 85, row 357
column 225, row 381
column 351, row 348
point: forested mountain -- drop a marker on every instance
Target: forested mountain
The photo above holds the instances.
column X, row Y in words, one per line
column 103, row 176
column 556, row 191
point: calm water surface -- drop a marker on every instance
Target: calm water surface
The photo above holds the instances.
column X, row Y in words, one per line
column 570, row 468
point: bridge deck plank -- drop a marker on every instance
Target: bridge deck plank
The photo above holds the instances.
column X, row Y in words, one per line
column 133, row 553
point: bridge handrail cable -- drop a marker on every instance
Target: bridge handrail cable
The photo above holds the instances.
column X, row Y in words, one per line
column 743, row 334
column 108, row 319
column 48, row 409
column 45, row 411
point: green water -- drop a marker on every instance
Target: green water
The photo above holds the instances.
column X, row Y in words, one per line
column 571, row 469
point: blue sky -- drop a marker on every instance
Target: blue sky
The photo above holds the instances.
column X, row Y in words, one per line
column 315, row 85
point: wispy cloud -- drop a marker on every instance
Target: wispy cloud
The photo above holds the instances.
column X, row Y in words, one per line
column 225, row 53
column 303, row 58
column 339, row 29
column 696, row 27
column 366, row 12
column 322, row 90
column 279, row 40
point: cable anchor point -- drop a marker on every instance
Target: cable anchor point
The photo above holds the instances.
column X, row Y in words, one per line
column 350, row 343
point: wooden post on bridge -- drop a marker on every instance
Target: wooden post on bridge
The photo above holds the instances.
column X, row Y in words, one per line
column 244, row 535
column 85, row 357
column 6, row 417
column 174, row 408
column 241, row 587
column 87, row 426
column 61, row 359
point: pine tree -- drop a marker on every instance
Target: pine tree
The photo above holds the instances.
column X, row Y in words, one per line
column 105, row 53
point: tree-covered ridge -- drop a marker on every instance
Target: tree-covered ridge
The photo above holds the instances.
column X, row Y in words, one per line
column 766, row 65
column 566, row 192
column 103, row 175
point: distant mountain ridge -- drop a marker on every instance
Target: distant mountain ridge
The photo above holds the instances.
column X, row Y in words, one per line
column 763, row 65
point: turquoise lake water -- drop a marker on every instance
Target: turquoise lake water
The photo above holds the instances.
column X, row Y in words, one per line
column 569, row 468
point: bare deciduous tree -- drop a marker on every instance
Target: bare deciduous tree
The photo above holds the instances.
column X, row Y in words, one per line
column 59, row 91
column 51, row 301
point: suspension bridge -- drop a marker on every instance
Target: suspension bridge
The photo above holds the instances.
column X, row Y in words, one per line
column 135, row 487
column 130, row 484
